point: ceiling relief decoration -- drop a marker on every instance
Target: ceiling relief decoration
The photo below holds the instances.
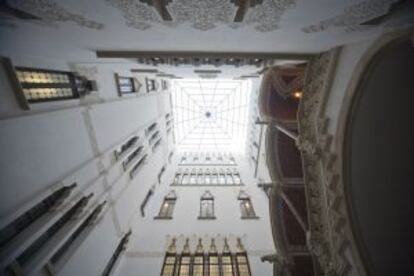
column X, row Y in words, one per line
column 203, row 15
column 49, row 13
column 352, row 17
column 137, row 15
column 266, row 17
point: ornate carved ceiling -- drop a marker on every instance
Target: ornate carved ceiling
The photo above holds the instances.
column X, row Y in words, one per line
column 353, row 16
column 255, row 26
column 49, row 13
column 203, row 14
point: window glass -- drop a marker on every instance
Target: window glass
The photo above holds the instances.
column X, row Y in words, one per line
column 207, row 208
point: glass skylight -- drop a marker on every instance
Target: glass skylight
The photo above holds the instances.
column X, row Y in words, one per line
column 211, row 115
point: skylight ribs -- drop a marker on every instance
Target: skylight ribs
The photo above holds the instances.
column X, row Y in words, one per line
column 210, row 115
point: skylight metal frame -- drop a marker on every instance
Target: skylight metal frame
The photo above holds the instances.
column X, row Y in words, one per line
column 228, row 103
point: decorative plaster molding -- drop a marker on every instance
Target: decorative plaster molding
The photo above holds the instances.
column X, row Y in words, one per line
column 203, row 15
column 330, row 234
column 51, row 12
column 137, row 15
column 353, row 16
column 266, row 17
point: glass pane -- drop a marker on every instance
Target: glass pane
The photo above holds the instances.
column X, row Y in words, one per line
column 241, row 259
column 177, row 178
column 213, row 260
column 207, row 208
column 213, row 270
column 214, row 179
column 200, row 179
column 226, row 260
column 170, row 260
column 168, row 270
column 207, row 179
column 184, row 266
column 222, row 179
column 236, row 178
column 229, row 179
column 186, row 179
column 227, row 270
column 164, row 208
column 198, row 270
column 243, row 270
column 170, row 209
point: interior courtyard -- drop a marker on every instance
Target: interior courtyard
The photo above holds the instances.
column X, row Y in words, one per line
column 206, row 137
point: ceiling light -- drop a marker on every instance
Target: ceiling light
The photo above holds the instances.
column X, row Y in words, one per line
column 297, row 94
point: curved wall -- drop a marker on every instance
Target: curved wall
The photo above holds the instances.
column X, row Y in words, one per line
column 380, row 148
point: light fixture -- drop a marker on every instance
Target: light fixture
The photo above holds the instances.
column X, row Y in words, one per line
column 297, row 94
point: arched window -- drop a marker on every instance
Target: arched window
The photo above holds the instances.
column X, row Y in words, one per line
column 198, row 260
column 222, row 177
column 236, row 177
column 185, row 260
column 214, row 177
column 167, row 207
column 227, row 260
column 193, row 177
column 229, row 177
column 246, row 207
column 200, row 177
column 207, row 206
column 213, row 264
column 207, row 177
column 177, row 177
column 170, row 260
column 242, row 262
column 186, row 177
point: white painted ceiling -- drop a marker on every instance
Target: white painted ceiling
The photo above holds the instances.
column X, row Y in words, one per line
column 76, row 28
column 210, row 115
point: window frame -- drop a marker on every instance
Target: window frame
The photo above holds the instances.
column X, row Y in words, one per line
column 219, row 268
column 208, row 198
column 165, row 264
column 171, row 199
column 134, row 85
column 242, row 254
column 227, row 254
column 180, row 263
column 244, row 199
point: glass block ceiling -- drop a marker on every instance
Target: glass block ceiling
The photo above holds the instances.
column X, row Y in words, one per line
column 211, row 115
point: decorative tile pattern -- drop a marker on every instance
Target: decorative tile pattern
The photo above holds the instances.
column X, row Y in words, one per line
column 203, row 15
column 353, row 16
column 51, row 13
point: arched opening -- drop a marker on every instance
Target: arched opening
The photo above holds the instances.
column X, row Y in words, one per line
column 379, row 159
